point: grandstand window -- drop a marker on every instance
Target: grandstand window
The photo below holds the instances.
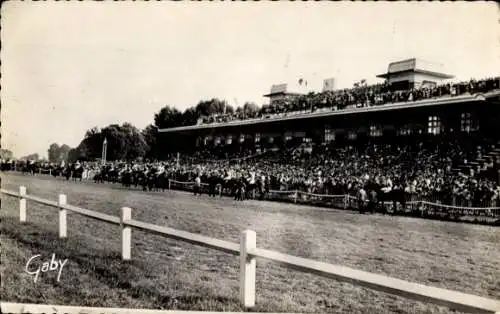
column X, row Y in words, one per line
column 257, row 137
column 329, row 135
column 352, row 135
column 404, row 131
column 468, row 124
column 434, row 125
column 288, row 137
column 306, row 140
column 375, row 131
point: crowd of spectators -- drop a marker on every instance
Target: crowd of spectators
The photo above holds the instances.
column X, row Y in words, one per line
column 426, row 169
column 360, row 96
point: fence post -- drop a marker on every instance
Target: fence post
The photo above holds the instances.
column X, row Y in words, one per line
column 346, row 200
column 62, row 216
column 169, row 182
column 296, row 196
column 22, row 204
column 126, row 215
column 247, row 269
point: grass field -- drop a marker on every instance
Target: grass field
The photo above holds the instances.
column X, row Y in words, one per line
column 167, row 274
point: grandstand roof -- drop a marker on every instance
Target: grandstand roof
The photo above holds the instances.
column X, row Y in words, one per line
column 415, row 65
column 432, row 73
column 283, row 93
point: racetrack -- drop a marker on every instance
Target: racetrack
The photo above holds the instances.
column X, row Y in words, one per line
column 171, row 274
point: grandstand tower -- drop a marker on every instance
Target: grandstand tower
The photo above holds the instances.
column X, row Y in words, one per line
column 280, row 92
column 414, row 73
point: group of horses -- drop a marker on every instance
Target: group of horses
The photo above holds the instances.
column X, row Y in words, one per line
column 72, row 171
column 240, row 188
column 377, row 199
column 214, row 184
column 211, row 184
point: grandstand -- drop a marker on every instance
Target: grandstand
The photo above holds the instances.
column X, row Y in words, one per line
column 412, row 101
column 436, row 141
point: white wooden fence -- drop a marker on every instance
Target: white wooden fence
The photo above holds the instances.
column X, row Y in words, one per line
column 248, row 252
column 9, row 307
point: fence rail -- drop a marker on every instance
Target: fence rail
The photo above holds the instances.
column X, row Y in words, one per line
column 418, row 207
column 248, row 253
column 9, row 307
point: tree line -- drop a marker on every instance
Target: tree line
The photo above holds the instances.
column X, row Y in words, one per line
column 126, row 142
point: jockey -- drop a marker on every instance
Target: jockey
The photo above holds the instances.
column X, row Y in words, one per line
column 161, row 169
column 227, row 176
column 362, row 197
column 252, row 177
column 197, row 184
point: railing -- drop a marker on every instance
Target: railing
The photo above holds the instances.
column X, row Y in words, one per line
column 248, row 252
column 422, row 208
column 9, row 307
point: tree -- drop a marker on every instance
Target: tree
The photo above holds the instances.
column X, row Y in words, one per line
column 53, row 152
column 190, row 116
column 63, row 152
column 125, row 142
column 168, row 117
column 95, row 130
column 150, row 134
column 73, row 155
column 58, row 153
column 135, row 144
column 250, row 109
column 213, row 106
column 6, row 154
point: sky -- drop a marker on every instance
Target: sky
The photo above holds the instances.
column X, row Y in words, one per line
column 69, row 66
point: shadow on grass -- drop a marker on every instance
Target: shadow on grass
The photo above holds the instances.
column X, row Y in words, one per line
column 107, row 268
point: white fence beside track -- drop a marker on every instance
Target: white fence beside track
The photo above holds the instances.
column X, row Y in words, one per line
column 248, row 253
column 10, row 307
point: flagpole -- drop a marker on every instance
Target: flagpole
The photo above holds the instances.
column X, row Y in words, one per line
column 104, row 150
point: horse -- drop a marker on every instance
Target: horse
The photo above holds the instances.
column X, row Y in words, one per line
column 56, row 171
column 29, row 168
column 241, row 187
column 67, row 172
column 99, row 176
column 77, row 173
column 214, row 185
column 126, row 178
column 160, row 181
